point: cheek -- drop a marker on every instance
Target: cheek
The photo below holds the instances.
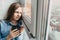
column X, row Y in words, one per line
column 19, row 14
column 15, row 14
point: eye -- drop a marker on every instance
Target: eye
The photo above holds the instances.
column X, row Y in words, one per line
column 16, row 12
column 20, row 12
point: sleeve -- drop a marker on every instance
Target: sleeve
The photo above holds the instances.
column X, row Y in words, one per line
column 0, row 31
column 1, row 38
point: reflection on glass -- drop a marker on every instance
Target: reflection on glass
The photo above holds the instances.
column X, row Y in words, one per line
column 28, row 8
column 54, row 28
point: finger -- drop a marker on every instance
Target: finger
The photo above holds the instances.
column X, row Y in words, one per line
column 16, row 33
column 14, row 30
column 21, row 29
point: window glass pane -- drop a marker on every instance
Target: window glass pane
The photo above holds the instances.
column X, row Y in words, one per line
column 54, row 26
column 28, row 8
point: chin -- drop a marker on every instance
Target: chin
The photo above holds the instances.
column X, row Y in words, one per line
column 17, row 19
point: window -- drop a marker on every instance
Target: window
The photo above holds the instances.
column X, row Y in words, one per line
column 53, row 28
column 28, row 8
column 29, row 15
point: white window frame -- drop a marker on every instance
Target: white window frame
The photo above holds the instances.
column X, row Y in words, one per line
column 42, row 18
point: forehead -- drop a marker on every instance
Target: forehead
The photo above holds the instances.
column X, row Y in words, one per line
column 19, row 9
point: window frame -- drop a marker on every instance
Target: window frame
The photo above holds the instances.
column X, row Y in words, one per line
column 42, row 19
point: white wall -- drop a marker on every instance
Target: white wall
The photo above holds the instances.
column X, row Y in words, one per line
column 4, row 5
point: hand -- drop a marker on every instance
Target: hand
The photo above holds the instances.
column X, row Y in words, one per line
column 13, row 33
column 21, row 29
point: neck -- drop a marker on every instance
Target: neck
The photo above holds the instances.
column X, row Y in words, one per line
column 14, row 22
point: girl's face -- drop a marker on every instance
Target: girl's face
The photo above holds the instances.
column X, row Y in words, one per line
column 17, row 14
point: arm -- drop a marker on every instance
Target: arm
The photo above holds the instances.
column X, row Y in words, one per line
column 1, row 38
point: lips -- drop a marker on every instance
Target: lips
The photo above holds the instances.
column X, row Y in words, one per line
column 17, row 17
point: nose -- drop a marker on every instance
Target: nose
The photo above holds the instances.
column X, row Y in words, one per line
column 19, row 14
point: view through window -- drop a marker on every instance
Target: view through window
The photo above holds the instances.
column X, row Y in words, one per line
column 28, row 8
column 54, row 26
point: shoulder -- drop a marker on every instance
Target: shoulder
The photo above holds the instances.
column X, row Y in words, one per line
column 2, row 21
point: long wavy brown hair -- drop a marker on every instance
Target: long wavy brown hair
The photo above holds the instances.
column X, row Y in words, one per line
column 12, row 9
